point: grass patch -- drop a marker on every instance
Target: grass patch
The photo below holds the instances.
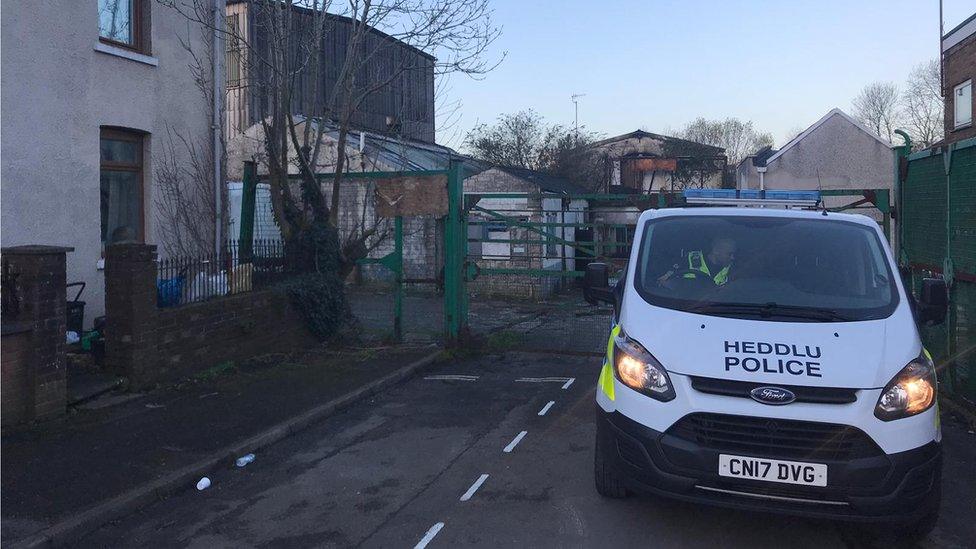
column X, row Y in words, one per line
column 502, row 341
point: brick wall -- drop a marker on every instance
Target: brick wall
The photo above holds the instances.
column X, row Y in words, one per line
column 34, row 370
column 15, row 387
column 150, row 345
column 959, row 65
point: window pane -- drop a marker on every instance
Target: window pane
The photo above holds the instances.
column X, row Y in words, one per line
column 233, row 63
column 804, row 263
column 121, row 207
column 115, row 20
column 963, row 102
column 120, row 151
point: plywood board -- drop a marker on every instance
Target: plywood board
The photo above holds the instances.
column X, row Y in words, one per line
column 411, row 196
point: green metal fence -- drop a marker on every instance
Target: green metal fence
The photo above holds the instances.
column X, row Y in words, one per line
column 526, row 252
column 385, row 306
column 937, row 236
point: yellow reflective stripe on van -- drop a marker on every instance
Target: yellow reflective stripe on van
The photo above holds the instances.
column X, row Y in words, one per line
column 613, row 334
column 606, row 381
column 606, row 374
column 938, row 414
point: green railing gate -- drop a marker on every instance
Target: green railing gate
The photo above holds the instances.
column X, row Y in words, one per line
column 526, row 252
column 937, row 237
column 525, row 255
column 436, row 314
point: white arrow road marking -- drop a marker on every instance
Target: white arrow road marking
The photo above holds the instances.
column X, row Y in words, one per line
column 474, row 487
column 511, row 445
column 429, row 536
column 545, row 408
column 452, row 377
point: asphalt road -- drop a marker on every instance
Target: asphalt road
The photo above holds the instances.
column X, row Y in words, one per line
column 428, row 461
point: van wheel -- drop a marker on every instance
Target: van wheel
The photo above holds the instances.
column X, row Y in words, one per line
column 608, row 484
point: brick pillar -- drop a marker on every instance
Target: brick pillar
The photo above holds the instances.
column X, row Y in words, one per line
column 130, row 312
column 40, row 289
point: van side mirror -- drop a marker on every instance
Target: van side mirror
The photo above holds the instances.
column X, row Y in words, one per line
column 933, row 301
column 596, row 284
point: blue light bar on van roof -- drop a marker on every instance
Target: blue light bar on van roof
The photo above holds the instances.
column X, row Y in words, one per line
column 752, row 197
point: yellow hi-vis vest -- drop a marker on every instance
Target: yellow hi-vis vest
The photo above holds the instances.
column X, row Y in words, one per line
column 696, row 262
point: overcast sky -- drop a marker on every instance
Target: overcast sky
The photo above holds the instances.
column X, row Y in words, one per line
column 657, row 64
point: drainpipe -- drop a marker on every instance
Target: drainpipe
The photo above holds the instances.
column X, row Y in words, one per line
column 216, row 126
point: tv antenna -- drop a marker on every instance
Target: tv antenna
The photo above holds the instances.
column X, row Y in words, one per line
column 575, row 98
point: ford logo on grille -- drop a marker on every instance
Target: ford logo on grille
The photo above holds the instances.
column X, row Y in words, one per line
column 772, row 395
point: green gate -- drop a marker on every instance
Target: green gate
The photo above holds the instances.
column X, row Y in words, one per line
column 436, row 314
column 525, row 254
column 525, row 257
column 937, row 237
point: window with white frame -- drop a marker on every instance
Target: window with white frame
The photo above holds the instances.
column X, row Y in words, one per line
column 962, row 101
column 496, row 250
column 552, row 249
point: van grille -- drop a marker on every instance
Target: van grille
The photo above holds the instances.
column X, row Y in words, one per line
column 780, row 438
column 819, row 395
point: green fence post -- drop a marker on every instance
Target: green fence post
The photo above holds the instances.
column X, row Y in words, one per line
column 454, row 244
column 248, row 199
column 883, row 198
column 901, row 155
column 398, row 274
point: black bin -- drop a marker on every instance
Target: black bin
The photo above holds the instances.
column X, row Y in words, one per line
column 75, row 310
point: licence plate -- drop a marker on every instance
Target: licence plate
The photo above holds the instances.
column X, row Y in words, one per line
column 772, row 470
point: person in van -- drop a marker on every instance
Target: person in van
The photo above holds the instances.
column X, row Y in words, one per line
column 715, row 265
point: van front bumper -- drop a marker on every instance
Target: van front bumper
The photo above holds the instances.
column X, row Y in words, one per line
column 877, row 488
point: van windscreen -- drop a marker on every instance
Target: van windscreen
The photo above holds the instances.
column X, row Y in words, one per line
column 768, row 268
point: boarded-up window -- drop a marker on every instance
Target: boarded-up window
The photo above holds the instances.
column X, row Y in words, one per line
column 233, row 52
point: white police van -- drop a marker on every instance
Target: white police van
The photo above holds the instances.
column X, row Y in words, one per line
column 768, row 358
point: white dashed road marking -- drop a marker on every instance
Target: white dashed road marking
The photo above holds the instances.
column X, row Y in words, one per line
column 569, row 382
column 545, row 408
column 545, row 380
column 453, row 377
column 518, row 438
column 429, row 536
column 474, row 487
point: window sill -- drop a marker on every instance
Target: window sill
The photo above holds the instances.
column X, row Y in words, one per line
column 965, row 126
column 127, row 54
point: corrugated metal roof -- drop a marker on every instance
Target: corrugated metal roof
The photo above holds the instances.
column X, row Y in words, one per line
column 544, row 181
column 402, row 154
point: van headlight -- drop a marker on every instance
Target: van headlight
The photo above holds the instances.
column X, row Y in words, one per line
column 639, row 370
column 910, row 392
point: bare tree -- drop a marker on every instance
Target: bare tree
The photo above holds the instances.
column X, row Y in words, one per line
column 877, row 106
column 447, row 112
column 739, row 138
column 567, row 152
column 513, row 141
column 793, row 133
column 524, row 140
column 923, row 105
column 186, row 197
column 286, row 68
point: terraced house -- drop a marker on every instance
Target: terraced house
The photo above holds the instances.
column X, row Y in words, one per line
column 98, row 98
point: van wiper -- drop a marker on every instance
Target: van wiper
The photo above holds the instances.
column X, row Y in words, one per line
column 766, row 310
